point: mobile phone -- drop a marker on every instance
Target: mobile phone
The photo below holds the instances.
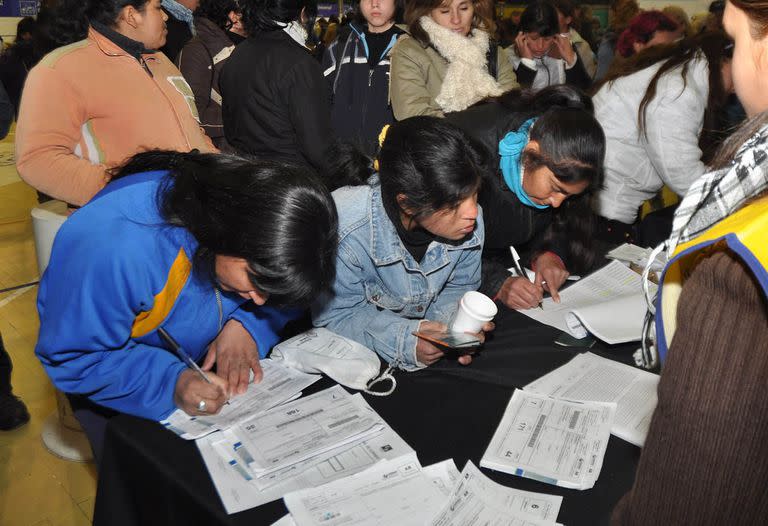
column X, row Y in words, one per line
column 452, row 340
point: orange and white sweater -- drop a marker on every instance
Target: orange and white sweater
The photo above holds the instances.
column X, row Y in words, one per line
column 89, row 106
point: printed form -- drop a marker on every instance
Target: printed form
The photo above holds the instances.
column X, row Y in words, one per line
column 554, row 441
column 609, row 303
column 306, row 428
column 476, row 499
column 391, row 492
column 279, row 384
column 238, row 493
column 592, row 377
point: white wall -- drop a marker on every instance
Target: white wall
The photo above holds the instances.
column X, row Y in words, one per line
column 692, row 7
column 8, row 28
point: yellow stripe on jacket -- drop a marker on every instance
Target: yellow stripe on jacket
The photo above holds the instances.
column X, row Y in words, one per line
column 150, row 320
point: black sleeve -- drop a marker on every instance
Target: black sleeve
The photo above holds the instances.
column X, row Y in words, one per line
column 525, row 75
column 577, row 76
column 305, row 95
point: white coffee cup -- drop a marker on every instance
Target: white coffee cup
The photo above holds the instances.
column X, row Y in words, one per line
column 475, row 310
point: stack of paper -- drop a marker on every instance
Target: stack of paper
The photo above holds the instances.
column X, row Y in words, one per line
column 295, row 433
column 609, row 303
column 476, row 499
column 551, row 440
column 402, row 492
column 280, row 384
column 309, row 442
column 589, row 377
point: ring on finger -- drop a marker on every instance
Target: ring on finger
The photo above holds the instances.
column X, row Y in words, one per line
column 201, row 406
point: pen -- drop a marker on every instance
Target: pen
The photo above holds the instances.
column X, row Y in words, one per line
column 181, row 353
column 518, row 268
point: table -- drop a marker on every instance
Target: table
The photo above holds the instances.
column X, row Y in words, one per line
column 150, row 476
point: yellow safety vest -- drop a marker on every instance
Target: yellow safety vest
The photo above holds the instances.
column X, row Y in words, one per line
column 744, row 232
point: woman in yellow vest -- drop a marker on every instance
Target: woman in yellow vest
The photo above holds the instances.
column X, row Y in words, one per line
column 705, row 460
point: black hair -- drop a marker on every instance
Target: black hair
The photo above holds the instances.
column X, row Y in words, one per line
column 357, row 14
column 433, row 163
column 217, row 11
column 26, row 25
column 278, row 217
column 540, row 17
column 71, row 18
column 572, row 145
column 261, row 15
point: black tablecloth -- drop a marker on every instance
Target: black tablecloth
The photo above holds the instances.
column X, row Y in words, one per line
column 150, row 476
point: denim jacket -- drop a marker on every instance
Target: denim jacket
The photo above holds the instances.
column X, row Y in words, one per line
column 381, row 292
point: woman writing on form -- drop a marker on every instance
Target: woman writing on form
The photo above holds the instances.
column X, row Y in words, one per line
column 186, row 243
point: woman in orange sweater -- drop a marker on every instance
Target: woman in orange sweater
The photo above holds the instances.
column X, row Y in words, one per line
column 102, row 97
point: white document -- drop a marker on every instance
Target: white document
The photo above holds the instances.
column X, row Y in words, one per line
column 306, row 428
column 238, row 494
column 476, row 499
column 391, row 492
column 551, row 440
column 591, row 377
column 279, row 384
column 609, row 303
column 630, row 253
column 285, row 521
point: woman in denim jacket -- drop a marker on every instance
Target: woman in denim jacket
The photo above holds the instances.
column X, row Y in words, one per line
column 410, row 241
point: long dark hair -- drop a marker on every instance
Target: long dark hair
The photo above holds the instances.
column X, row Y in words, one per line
column 217, row 11
column 434, row 164
column 715, row 46
column 278, row 217
column 262, row 15
column 572, row 145
column 72, row 17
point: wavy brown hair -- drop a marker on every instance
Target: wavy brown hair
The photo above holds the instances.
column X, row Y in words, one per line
column 415, row 9
column 715, row 46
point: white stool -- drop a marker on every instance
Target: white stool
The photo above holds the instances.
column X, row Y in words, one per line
column 62, row 434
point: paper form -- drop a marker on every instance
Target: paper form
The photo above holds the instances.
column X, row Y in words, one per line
column 551, row 440
column 609, row 303
column 591, row 377
column 279, row 384
column 305, row 428
column 238, row 494
column 476, row 499
column 391, row 492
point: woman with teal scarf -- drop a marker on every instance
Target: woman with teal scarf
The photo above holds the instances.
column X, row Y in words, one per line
column 549, row 148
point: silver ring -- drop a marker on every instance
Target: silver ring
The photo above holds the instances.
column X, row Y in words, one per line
column 201, row 406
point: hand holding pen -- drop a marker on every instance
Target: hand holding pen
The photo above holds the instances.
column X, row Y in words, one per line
column 196, row 393
column 518, row 292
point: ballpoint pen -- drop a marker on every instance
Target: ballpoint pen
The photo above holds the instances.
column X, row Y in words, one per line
column 519, row 268
column 181, row 353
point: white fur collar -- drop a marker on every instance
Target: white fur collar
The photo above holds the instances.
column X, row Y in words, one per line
column 467, row 80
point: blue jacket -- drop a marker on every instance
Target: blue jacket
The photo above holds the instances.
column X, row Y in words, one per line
column 118, row 272
column 360, row 105
column 381, row 293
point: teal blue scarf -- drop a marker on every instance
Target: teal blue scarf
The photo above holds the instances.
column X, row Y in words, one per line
column 511, row 150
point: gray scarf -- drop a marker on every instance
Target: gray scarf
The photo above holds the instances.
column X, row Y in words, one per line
column 718, row 194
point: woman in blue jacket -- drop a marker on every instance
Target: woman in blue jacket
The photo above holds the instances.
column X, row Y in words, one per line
column 186, row 242
column 410, row 241
column 356, row 68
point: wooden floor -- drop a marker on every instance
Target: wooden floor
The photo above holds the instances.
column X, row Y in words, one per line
column 36, row 488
